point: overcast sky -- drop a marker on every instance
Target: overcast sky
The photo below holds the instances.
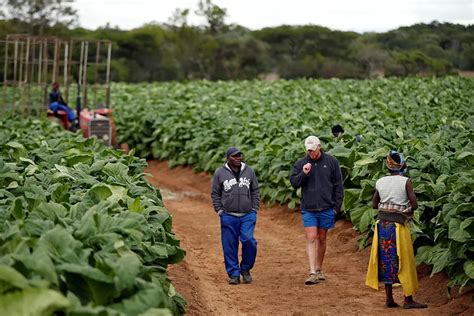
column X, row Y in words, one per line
column 345, row 15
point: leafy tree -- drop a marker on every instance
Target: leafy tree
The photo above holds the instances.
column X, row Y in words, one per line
column 214, row 15
column 142, row 48
column 371, row 57
column 415, row 62
column 301, row 51
column 218, row 51
column 179, row 18
column 238, row 56
column 39, row 14
column 467, row 56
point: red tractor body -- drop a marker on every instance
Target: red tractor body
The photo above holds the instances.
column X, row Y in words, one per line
column 98, row 123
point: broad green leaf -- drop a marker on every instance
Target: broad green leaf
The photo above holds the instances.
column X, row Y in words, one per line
column 37, row 226
column 127, row 269
column 15, row 145
column 365, row 162
column 367, row 219
column 341, row 151
column 61, row 193
column 399, row 132
column 117, row 171
column 469, row 268
column 441, row 259
column 63, row 173
column 456, row 232
column 118, row 193
column 142, row 301
column 53, row 211
column 32, row 301
column 11, row 278
column 157, row 312
column 31, row 169
column 86, row 271
column 41, row 263
column 89, row 283
column 17, row 210
column 61, row 246
column 97, row 166
column 101, row 191
column 465, row 154
column 466, row 226
column 29, row 161
column 424, row 255
column 136, row 206
column 74, row 159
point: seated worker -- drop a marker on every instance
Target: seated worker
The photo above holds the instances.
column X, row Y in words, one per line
column 56, row 103
column 337, row 131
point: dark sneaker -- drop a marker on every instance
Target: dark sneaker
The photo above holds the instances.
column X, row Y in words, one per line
column 312, row 279
column 414, row 304
column 246, row 277
column 234, row 280
column 391, row 304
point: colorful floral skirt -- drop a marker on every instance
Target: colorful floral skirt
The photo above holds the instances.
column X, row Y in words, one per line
column 387, row 252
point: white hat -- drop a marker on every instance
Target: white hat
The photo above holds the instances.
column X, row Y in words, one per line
column 312, row 143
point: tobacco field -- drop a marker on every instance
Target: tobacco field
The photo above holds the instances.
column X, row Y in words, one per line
column 83, row 232
column 430, row 120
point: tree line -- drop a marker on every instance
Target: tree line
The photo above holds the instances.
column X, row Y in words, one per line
column 179, row 51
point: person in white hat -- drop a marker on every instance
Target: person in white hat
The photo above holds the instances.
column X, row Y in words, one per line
column 319, row 177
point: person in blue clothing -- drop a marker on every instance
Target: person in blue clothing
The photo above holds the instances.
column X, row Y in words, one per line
column 56, row 103
column 236, row 199
column 319, row 177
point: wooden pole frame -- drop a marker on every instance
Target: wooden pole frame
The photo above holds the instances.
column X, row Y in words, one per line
column 34, row 62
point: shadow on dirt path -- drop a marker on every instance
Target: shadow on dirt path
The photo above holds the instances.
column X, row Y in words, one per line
column 281, row 268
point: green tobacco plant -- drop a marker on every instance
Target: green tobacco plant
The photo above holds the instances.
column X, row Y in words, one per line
column 81, row 230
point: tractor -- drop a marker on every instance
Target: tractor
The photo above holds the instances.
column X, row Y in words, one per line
column 32, row 65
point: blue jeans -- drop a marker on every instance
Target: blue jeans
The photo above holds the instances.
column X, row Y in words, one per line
column 56, row 106
column 234, row 228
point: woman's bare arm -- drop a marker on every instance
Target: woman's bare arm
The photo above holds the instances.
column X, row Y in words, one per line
column 376, row 199
column 411, row 194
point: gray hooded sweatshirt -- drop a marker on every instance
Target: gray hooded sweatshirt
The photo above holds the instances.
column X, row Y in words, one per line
column 236, row 196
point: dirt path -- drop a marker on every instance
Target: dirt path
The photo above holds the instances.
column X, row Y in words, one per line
column 281, row 267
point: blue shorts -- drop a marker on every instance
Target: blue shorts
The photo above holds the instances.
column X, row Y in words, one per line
column 321, row 219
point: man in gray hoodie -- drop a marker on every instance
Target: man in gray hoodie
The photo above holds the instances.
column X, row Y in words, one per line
column 236, row 198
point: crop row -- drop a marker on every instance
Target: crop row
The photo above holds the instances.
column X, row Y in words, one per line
column 81, row 231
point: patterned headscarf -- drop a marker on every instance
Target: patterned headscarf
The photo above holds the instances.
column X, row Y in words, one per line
column 395, row 161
